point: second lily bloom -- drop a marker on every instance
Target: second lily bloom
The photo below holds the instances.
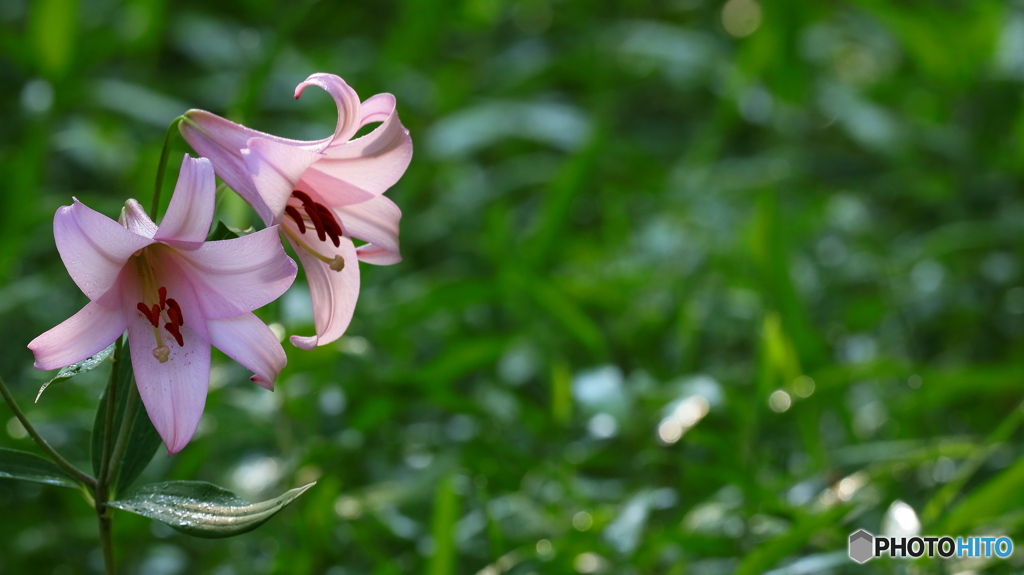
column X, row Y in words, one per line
column 322, row 193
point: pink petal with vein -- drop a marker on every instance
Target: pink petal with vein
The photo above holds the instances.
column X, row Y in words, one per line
column 93, row 247
column 334, row 293
column 344, row 96
column 372, row 163
column 135, row 218
column 376, row 222
column 190, row 212
column 222, row 142
column 247, row 340
column 276, row 169
column 239, row 275
column 80, row 336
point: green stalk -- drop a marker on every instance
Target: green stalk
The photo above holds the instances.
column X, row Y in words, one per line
column 56, row 457
column 102, row 490
column 162, row 167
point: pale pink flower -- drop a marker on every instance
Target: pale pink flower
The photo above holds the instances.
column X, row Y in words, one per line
column 175, row 293
column 321, row 193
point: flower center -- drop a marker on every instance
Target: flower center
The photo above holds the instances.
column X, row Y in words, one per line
column 161, row 309
column 306, row 214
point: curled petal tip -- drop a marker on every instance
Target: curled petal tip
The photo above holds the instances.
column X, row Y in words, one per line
column 268, row 385
column 306, row 343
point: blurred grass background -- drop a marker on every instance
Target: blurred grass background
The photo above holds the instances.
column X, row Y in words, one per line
column 689, row 286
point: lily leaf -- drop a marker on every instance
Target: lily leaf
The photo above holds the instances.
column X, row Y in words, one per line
column 202, row 509
column 77, row 368
column 143, row 440
column 26, row 466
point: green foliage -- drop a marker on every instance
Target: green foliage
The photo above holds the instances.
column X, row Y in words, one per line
column 201, row 509
column 81, row 367
column 25, row 466
column 143, row 439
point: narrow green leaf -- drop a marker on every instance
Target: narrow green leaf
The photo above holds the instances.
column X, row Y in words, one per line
column 966, row 470
column 446, row 514
column 999, row 495
column 142, row 444
column 29, row 467
column 143, row 440
column 202, row 509
column 77, row 368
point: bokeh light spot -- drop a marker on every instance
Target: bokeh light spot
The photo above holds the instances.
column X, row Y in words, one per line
column 741, row 18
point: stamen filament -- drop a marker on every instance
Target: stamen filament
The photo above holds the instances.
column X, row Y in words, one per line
column 336, row 263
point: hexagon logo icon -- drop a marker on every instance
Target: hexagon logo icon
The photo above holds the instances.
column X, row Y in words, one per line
column 861, row 546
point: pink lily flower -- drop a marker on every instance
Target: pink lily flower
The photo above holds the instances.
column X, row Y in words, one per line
column 321, row 193
column 175, row 293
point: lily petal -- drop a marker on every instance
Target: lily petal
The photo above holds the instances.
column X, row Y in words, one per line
column 376, row 222
column 222, row 142
column 80, row 336
column 174, row 392
column 247, row 340
column 344, row 96
column 377, row 108
column 276, row 169
column 334, row 293
column 190, row 212
column 135, row 218
column 372, row 163
column 236, row 276
column 93, row 247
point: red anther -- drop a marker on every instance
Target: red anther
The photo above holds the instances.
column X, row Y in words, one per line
column 295, row 215
column 174, row 316
column 146, row 312
column 314, row 217
column 175, row 309
column 163, row 297
column 302, row 196
column 331, row 225
column 173, row 329
column 156, row 315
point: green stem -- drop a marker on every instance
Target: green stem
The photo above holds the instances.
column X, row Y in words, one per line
column 103, row 481
column 56, row 457
column 107, row 542
column 162, row 167
column 102, row 491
